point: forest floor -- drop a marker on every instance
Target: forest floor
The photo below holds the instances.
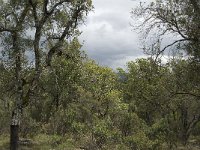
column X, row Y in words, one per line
column 54, row 142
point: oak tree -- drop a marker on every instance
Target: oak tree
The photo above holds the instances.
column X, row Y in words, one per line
column 39, row 29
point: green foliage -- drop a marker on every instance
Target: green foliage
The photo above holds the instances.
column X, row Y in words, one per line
column 164, row 96
column 71, row 102
column 139, row 141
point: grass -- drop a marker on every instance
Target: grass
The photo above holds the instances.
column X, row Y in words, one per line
column 4, row 142
column 41, row 142
column 56, row 142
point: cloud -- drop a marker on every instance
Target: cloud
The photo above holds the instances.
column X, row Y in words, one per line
column 108, row 37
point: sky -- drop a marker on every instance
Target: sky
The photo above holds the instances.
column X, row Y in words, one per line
column 108, row 36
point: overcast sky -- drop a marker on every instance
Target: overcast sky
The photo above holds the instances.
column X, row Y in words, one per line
column 108, row 37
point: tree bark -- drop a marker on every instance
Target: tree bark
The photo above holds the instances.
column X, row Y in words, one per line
column 17, row 112
column 14, row 137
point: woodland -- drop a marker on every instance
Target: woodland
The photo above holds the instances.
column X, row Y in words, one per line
column 54, row 97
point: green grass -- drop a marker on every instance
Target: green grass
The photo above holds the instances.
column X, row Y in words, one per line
column 56, row 142
column 41, row 142
column 4, row 142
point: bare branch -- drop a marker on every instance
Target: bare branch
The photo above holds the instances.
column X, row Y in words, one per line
column 177, row 41
column 178, row 29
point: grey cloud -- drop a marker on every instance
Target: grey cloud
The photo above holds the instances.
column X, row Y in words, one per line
column 108, row 37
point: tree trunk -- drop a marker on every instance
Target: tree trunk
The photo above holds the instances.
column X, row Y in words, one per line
column 185, row 138
column 14, row 129
column 14, row 137
column 17, row 112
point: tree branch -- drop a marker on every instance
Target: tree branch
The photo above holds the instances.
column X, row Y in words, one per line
column 177, row 41
column 34, row 12
column 64, row 34
column 186, row 93
column 2, row 29
column 45, row 6
column 58, row 4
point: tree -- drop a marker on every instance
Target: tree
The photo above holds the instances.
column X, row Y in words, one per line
column 145, row 88
column 40, row 28
column 179, row 18
column 145, row 92
column 185, row 96
column 100, row 103
column 165, row 96
column 174, row 17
